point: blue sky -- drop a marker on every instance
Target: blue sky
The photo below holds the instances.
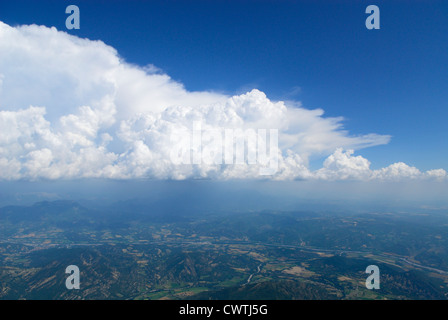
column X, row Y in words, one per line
column 389, row 81
column 72, row 109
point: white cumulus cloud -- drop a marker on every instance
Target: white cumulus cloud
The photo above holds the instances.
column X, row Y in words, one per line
column 73, row 108
column 342, row 165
